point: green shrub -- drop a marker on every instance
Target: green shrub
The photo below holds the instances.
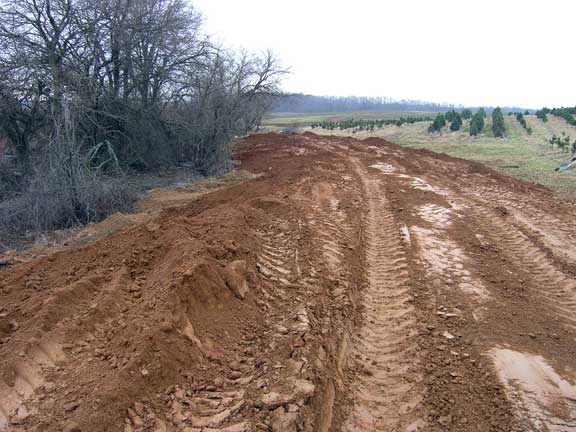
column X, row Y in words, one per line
column 562, row 142
column 438, row 123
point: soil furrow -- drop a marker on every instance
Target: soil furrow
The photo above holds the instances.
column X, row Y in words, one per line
column 387, row 393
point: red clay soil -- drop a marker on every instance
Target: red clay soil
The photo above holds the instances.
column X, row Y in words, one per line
column 354, row 286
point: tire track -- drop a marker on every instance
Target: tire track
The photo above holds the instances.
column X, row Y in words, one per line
column 556, row 230
column 387, row 393
column 333, row 232
column 558, row 289
column 277, row 263
column 442, row 256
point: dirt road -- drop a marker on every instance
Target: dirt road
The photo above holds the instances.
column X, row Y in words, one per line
column 353, row 286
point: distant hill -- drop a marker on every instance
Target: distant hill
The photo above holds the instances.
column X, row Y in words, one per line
column 302, row 103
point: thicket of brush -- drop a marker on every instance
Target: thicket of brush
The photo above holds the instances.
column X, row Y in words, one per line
column 92, row 88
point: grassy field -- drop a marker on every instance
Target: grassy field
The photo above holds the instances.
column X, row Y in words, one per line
column 528, row 157
column 279, row 120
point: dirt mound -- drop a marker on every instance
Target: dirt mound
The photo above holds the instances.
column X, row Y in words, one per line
column 130, row 315
column 146, row 210
column 341, row 285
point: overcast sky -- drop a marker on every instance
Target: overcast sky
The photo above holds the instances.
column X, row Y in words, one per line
column 480, row 52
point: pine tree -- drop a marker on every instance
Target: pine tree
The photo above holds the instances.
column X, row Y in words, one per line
column 466, row 114
column 438, row 123
column 450, row 116
column 476, row 124
column 456, row 122
column 498, row 127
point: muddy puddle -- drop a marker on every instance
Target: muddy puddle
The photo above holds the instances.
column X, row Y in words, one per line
column 445, row 259
column 545, row 400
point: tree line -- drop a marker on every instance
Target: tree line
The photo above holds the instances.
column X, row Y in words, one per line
column 303, row 103
column 90, row 88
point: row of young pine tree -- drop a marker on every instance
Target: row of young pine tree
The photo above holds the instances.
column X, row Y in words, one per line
column 520, row 118
column 477, row 122
column 359, row 125
column 565, row 113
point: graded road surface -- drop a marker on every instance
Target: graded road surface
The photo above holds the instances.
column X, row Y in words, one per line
column 351, row 286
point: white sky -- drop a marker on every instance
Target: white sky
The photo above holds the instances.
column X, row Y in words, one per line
column 471, row 52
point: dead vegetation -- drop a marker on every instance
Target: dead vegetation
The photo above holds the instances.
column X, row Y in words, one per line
column 91, row 89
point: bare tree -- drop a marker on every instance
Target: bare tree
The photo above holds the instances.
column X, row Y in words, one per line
column 86, row 82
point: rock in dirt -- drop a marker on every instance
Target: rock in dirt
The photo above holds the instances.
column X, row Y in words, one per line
column 5, row 327
column 236, row 278
column 71, row 427
column 160, row 426
column 448, row 335
column 303, row 388
column 20, row 415
column 282, row 421
column 273, row 400
column 71, row 406
column 301, row 392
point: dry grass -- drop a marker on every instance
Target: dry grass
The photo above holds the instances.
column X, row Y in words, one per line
column 50, row 204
